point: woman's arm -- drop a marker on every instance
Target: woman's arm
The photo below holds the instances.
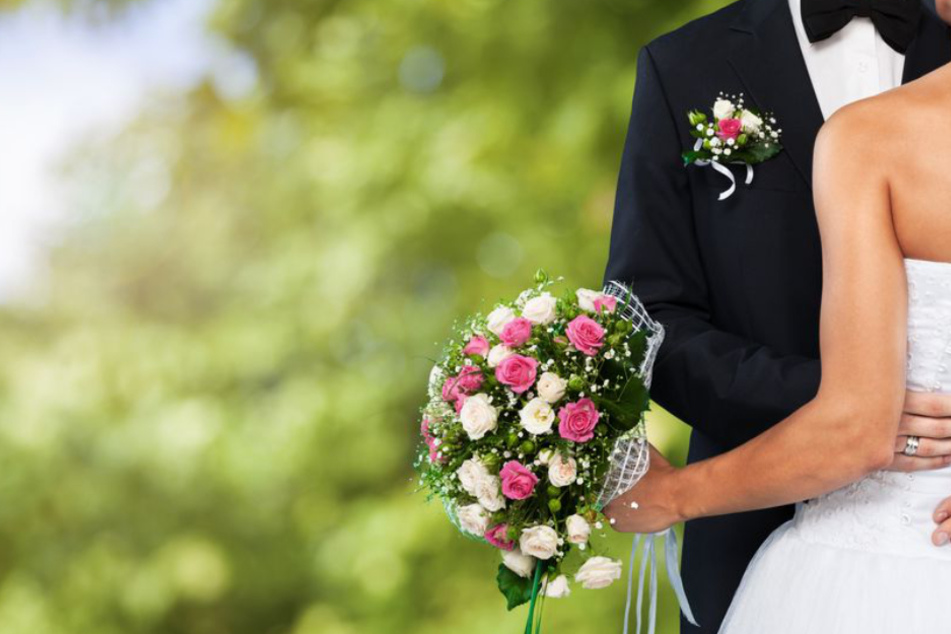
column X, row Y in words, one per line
column 849, row 428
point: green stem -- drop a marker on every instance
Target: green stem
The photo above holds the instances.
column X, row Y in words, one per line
column 531, row 606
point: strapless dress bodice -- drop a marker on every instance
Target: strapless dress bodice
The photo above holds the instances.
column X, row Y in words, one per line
column 886, row 511
column 860, row 560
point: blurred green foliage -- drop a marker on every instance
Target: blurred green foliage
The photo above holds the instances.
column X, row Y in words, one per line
column 207, row 421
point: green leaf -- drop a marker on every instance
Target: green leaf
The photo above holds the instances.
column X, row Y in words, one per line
column 638, row 344
column 758, row 152
column 517, row 590
column 626, row 410
column 692, row 155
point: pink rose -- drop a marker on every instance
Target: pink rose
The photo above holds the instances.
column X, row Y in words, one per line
column 517, row 371
column 516, row 332
column 607, row 302
column 577, row 420
column 498, row 536
column 450, row 390
column 518, row 482
column 477, row 345
column 585, row 334
column 470, row 379
column 729, row 128
column 466, row 382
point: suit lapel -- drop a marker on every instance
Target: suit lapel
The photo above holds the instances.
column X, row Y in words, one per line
column 930, row 49
column 767, row 57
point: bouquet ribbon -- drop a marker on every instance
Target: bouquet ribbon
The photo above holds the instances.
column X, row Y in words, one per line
column 673, row 574
column 722, row 169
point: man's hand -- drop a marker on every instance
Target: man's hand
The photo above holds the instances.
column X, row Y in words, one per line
column 927, row 416
column 942, row 517
column 653, row 500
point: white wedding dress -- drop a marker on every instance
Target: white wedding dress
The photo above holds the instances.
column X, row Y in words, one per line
column 860, row 560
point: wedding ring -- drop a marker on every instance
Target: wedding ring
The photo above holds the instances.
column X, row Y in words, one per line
column 911, row 445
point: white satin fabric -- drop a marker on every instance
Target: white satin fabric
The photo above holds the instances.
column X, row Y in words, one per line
column 860, row 560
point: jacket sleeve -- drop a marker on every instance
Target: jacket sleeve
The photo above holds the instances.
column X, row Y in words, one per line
column 724, row 385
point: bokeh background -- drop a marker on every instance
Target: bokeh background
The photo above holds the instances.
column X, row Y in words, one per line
column 232, row 233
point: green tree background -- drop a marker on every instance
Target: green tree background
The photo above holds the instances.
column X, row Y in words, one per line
column 207, row 419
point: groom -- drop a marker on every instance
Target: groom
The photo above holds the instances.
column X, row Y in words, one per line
column 737, row 283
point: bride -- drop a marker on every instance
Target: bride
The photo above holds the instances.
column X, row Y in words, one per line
column 867, row 553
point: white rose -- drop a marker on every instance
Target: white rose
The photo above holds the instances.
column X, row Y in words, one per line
column 539, row 541
column 551, row 387
column 562, row 472
column 469, row 473
column 557, row 588
column 520, row 564
column 586, row 298
column 751, row 123
column 497, row 354
column 478, row 416
column 723, row 109
column 598, row 572
column 474, row 519
column 489, row 493
column 499, row 318
column 545, row 455
column 537, row 416
column 540, row 310
column 578, row 529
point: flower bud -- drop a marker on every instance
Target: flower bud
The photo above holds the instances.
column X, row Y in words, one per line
column 696, row 117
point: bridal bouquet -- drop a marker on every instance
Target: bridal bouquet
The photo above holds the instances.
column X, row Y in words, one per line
column 534, row 423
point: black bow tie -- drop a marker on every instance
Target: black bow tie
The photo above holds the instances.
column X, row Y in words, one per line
column 896, row 20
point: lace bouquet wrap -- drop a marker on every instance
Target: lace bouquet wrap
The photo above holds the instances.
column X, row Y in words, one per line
column 534, row 423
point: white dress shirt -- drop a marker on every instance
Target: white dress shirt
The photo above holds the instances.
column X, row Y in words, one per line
column 853, row 64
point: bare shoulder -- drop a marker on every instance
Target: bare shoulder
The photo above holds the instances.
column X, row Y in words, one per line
column 854, row 131
column 854, row 159
column 882, row 128
column 850, row 153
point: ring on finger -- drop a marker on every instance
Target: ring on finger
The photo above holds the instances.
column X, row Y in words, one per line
column 911, row 445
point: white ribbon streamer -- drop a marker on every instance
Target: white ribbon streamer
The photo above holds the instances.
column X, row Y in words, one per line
column 722, row 169
column 649, row 557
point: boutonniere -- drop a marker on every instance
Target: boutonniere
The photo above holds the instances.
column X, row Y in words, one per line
column 732, row 133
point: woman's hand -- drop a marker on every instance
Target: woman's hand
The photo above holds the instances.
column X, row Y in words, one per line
column 653, row 498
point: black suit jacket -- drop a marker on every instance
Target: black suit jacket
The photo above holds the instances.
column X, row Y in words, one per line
column 736, row 283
